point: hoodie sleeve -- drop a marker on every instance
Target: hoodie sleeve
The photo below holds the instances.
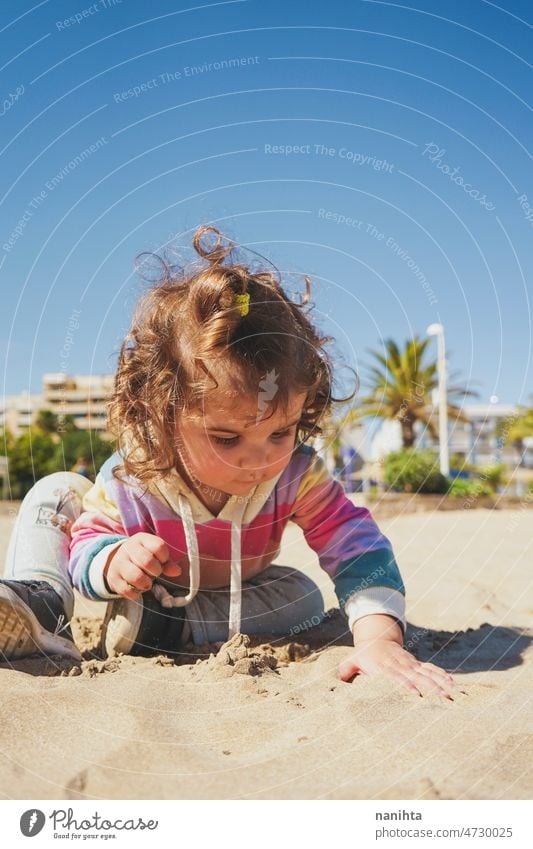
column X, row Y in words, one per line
column 350, row 547
column 98, row 529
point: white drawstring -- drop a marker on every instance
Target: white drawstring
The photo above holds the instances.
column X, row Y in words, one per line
column 167, row 600
column 162, row 595
column 234, row 620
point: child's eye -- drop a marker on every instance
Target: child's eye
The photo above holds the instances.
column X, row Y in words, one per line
column 222, row 441
column 281, row 435
column 233, row 439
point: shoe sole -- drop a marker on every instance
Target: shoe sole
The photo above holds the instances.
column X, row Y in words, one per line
column 21, row 633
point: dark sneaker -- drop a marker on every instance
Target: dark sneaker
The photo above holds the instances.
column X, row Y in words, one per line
column 33, row 621
column 141, row 627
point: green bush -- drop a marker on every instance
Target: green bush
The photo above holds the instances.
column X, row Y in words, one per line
column 414, row 471
column 80, row 443
column 457, row 461
column 466, row 488
column 36, row 453
column 493, row 475
column 28, row 460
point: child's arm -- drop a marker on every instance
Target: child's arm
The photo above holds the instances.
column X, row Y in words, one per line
column 379, row 649
column 101, row 565
column 368, row 584
column 350, row 547
column 94, row 535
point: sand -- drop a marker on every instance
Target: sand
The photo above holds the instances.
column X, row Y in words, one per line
column 270, row 719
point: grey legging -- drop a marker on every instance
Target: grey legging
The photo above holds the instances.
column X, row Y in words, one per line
column 280, row 601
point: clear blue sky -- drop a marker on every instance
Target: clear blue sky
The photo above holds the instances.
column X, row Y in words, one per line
column 391, row 105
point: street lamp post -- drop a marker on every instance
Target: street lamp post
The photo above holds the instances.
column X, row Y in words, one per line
column 438, row 331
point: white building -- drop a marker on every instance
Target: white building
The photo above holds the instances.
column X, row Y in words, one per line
column 475, row 440
column 18, row 412
column 82, row 396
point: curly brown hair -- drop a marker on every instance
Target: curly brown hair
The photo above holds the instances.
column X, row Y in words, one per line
column 187, row 320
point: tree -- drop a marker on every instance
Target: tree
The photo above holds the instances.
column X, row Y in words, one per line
column 515, row 429
column 7, row 440
column 80, row 443
column 400, row 388
column 28, row 460
column 36, row 453
column 46, row 421
column 49, row 422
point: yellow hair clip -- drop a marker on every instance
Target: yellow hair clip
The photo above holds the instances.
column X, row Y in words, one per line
column 242, row 302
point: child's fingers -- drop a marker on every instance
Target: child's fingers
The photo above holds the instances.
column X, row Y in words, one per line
column 440, row 676
column 135, row 577
column 157, row 548
column 438, row 670
column 347, row 669
column 171, row 569
column 127, row 590
column 140, row 556
column 423, row 678
column 404, row 679
column 449, row 685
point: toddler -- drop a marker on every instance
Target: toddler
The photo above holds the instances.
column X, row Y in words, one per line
column 220, row 383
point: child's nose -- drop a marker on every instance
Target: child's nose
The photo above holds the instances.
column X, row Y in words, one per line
column 254, row 458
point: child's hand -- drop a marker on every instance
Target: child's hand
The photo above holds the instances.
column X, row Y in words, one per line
column 133, row 565
column 387, row 657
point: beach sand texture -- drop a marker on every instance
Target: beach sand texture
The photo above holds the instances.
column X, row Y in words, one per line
column 274, row 721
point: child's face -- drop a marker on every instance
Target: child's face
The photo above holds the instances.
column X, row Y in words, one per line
column 232, row 447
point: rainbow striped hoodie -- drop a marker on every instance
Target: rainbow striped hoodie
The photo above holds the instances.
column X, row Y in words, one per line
column 350, row 547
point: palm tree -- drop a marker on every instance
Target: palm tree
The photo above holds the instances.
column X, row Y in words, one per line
column 517, row 428
column 400, row 388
